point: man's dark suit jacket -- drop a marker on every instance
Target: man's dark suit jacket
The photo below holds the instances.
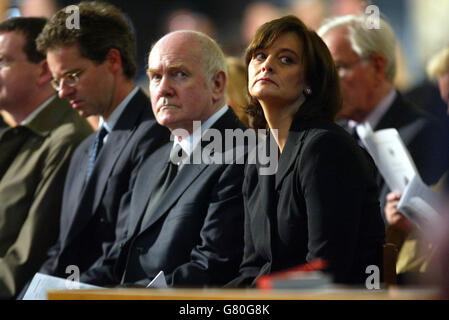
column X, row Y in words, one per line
column 195, row 234
column 3, row 125
column 424, row 137
column 321, row 203
column 95, row 213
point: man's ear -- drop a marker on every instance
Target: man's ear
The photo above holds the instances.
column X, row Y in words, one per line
column 218, row 85
column 114, row 60
column 44, row 73
column 380, row 66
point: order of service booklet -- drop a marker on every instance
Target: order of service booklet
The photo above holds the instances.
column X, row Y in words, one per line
column 42, row 283
column 418, row 203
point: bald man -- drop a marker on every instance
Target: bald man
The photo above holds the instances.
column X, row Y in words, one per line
column 186, row 218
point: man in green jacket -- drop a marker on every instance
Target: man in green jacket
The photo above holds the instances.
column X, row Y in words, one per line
column 34, row 155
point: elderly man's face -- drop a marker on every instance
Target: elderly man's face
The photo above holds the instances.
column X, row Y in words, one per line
column 17, row 74
column 356, row 76
column 179, row 90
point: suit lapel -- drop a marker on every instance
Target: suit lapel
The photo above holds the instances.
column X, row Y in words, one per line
column 107, row 158
column 11, row 141
column 187, row 175
column 185, row 178
column 264, row 216
column 73, row 196
column 388, row 120
column 292, row 147
column 117, row 140
column 145, row 183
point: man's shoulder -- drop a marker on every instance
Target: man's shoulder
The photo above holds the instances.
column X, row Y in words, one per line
column 69, row 127
column 137, row 112
column 138, row 117
column 406, row 112
column 228, row 121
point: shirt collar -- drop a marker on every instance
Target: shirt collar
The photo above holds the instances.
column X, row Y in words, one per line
column 374, row 117
column 115, row 115
column 36, row 111
column 189, row 143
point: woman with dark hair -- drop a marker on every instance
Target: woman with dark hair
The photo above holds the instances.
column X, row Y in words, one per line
column 322, row 202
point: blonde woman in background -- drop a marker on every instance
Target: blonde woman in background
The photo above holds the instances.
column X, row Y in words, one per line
column 417, row 251
column 438, row 69
column 236, row 90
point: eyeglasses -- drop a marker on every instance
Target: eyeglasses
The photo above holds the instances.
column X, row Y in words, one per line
column 70, row 79
column 343, row 68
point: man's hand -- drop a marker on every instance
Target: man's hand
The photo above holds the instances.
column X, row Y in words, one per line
column 393, row 216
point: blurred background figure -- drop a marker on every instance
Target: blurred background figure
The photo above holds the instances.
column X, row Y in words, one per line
column 438, row 69
column 426, row 20
column 344, row 7
column 439, row 264
column 37, row 8
column 366, row 61
column 432, row 94
column 311, row 12
column 185, row 19
column 236, row 88
column 417, row 23
column 256, row 14
column 423, row 253
column 4, row 5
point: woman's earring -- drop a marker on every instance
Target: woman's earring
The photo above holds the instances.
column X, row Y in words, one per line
column 307, row 91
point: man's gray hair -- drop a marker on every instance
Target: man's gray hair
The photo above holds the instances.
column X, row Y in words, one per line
column 212, row 55
column 366, row 40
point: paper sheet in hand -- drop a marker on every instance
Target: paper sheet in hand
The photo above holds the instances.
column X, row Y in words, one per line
column 42, row 283
column 158, row 281
column 390, row 155
column 420, row 204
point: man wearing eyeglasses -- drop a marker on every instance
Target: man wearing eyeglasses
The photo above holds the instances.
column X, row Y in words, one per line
column 93, row 68
column 34, row 154
column 365, row 58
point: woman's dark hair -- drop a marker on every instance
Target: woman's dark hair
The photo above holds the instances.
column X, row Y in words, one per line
column 320, row 72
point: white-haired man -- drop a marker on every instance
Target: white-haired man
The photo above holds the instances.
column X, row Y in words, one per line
column 365, row 59
column 186, row 218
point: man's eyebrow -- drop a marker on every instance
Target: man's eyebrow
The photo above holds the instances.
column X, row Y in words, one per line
column 177, row 66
